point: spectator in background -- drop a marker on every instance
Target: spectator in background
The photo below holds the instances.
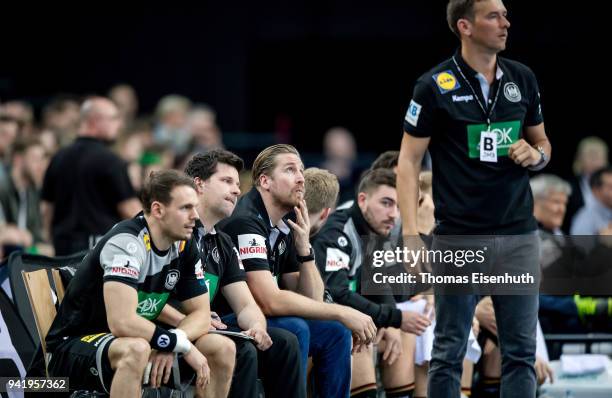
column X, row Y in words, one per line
column 19, row 194
column 595, row 218
column 171, row 129
column 340, row 155
column 202, row 127
column 591, row 155
column 49, row 140
column 9, row 128
column 131, row 148
column 61, row 115
column 87, row 189
column 550, row 198
column 560, row 257
column 125, row 98
column 22, row 112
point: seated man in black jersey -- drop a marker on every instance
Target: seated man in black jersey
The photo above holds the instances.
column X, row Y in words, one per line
column 216, row 175
column 104, row 334
column 270, row 227
column 340, row 258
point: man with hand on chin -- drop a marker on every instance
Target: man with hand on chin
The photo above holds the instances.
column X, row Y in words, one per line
column 270, row 227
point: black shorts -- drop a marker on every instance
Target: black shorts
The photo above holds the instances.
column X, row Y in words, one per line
column 84, row 360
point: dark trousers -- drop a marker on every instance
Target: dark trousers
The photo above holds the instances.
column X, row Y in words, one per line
column 278, row 367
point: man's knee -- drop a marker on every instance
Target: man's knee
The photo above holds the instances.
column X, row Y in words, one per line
column 130, row 353
column 219, row 350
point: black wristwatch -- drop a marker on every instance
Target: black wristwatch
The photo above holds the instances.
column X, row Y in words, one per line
column 309, row 257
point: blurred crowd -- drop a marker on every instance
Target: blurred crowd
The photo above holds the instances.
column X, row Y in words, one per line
column 176, row 130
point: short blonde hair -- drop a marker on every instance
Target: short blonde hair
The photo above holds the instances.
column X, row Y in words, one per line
column 585, row 146
column 322, row 188
column 266, row 160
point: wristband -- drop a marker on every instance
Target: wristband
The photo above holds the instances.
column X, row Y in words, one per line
column 309, row 257
column 163, row 340
column 183, row 345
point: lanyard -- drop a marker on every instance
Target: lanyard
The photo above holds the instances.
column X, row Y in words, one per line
column 484, row 111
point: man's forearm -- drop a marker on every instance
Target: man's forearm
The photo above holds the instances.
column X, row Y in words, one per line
column 310, row 283
column 195, row 325
column 170, row 316
column 251, row 316
column 408, row 196
column 288, row 303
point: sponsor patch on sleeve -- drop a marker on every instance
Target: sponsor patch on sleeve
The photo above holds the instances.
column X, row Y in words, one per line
column 414, row 110
column 446, row 81
column 336, row 260
column 252, row 246
column 123, row 266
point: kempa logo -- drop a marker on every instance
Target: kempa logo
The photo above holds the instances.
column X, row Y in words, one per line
column 463, row 98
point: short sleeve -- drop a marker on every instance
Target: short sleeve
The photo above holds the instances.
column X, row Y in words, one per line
column 122, row 258
column 419, row 118
column 233, row 270
column 192, row 282
column 250, row 238
column 534, row 110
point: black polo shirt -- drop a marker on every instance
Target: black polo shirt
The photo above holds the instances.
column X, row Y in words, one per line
column 261, row 245
column 85, row 182
column 473, row 196
column 222, row 265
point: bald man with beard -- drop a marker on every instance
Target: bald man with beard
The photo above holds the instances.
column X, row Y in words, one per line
column 86, row 189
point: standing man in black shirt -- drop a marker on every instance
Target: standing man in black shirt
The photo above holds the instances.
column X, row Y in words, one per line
column 480, row 117
column 104, row 333
column 86, row 189
column 216, row 176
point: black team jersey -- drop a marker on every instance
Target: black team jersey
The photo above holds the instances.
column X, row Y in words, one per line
column 126, row 254
column 261, row 245
column 222, row 265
